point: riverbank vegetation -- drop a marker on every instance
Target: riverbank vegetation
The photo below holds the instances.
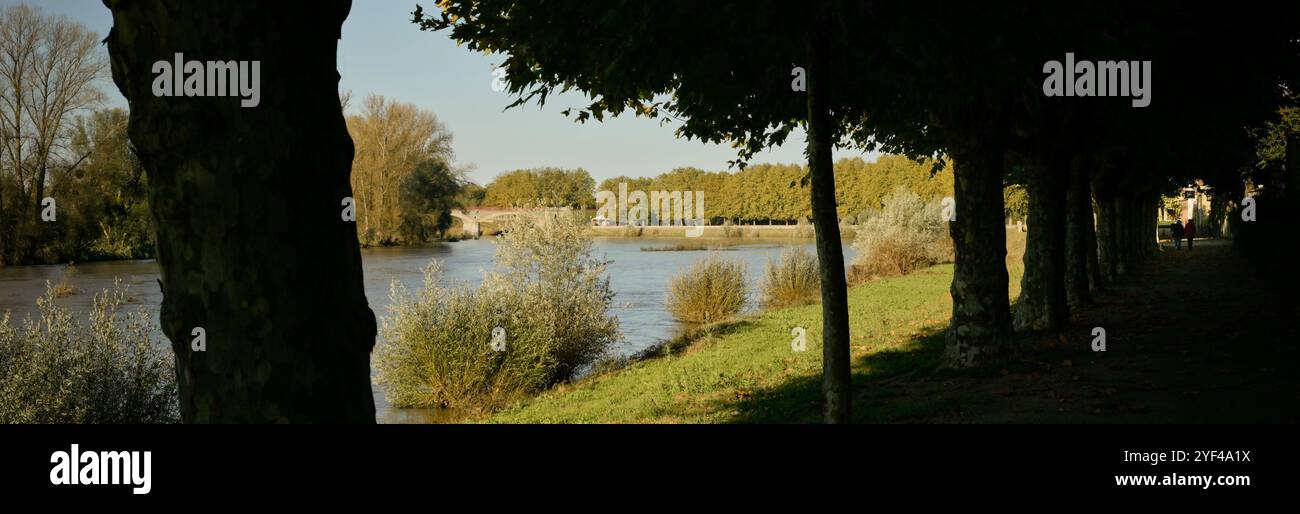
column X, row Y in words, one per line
column 541, row 316
column 712, row 289
column 746, row 371
column 57, row 369
column 790, row 279
column 905, row 235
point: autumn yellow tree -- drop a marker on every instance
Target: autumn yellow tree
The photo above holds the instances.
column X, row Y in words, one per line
column 392, row 139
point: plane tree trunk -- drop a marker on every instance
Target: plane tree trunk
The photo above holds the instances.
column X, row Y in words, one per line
column 980, row 329
column 836, row 376
column 1080, row 240
column 1042, row 303
column 246, row 202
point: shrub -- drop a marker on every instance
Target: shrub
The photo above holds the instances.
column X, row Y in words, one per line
column 793, row 278
column 907, row 234
column 711, row 290
column 64, row 287
column 58, row 370
column 547, row 296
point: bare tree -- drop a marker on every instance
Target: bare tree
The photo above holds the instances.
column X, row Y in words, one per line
column 49, row 69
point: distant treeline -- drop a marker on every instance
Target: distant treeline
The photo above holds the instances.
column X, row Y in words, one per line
column 759, row 193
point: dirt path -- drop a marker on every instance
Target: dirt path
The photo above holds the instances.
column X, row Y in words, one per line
column 1191, row 337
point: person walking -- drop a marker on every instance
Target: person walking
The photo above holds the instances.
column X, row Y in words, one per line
column 1176, row 230
column 1190, row 232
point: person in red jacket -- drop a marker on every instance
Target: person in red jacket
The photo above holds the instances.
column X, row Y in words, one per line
column 1189, row 231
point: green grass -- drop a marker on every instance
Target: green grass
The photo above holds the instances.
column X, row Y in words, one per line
column 746, row 372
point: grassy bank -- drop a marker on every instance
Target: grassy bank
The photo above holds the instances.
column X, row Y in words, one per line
column 746, row 371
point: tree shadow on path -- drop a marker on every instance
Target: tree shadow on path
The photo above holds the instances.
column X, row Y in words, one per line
column 1191, row 337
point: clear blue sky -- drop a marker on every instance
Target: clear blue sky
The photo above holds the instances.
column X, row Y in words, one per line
column 382, row 52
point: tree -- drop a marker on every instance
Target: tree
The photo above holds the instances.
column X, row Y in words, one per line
column 550, row 187
column 471, row 195
column 48, row 69
column 392, row 140
column 736, row 87
column 428, row 194
column 252, row 247
column 102, row 194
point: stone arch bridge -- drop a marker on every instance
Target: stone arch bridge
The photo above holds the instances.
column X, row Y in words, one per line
column 472, row 218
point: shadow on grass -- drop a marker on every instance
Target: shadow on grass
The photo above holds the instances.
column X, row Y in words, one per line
column 689, row 340
column 880, row 392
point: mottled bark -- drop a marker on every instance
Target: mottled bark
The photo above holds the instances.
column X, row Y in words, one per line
column 1234, row 191
column 4, row 227
column 980, row 329
column 1096, row 282
column 1042, row 302
column 1107, row 253
column 1120, row 237
column 1079, row 237
column 1292, row 188
column 836, row 375
column 1218, row 212
column 246, row 204
column 1150, row 218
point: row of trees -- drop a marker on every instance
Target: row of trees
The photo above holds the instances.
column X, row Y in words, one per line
column 774, row 192
column 551, row 187
column 930, row 78
column 758, row 193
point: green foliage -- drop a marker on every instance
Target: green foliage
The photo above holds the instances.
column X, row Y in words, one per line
column 547, row 296
column 436, row 351
column 545, row 187
column 427, row 196
column 403, row 179
column 711, row 290
column 59, row 370
column 907, row 234
column 1271, row 140
column 746, row 371
column 791, row 279
column 471, row 195
column 631, row 57
column 773, row 193
column 1015, row 202
column 861, row 187
column 1173, row 206
column 102, row 209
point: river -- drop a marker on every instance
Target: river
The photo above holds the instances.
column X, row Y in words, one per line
column 639, row 279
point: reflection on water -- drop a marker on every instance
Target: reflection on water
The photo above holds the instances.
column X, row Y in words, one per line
column 639, row 279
